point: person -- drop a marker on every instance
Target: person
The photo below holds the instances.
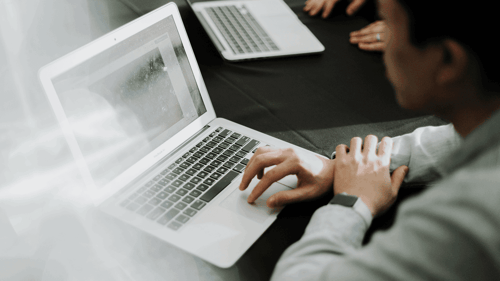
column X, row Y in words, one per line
column 449, row 231
column 369, row 38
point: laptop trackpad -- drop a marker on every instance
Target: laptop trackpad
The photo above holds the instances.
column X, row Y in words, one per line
column 258, row 211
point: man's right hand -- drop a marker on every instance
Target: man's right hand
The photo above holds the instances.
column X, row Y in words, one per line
column 314, row 6
column 314, row 175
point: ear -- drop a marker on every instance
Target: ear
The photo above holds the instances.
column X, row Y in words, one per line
column 454, row 63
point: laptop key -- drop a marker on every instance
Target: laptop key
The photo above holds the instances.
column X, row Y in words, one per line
column 162, row 195
column 157, row 177
column 243, row 140
column 181, row 192
column 217, row 150
column 202, row 174
column 222, row 170
column 154, row 201
column 178, row 161
column 172, row 166
column 155, row 213
column 155, row 188
column 169, row 189
column 164, row 172
column 184, row 177
column 190, row 212
column 174, row 225
column 168, row 216
column 235, row 159
column 145, row 209
column 209, row 169
column 202, row 187
column 219, row 129
column 219, row 186
column 149, row 193
column 244, row 161
column 234, row 147
column 198, row 205
column 193, row 150
column 228, row 152
column 200, row 144
column 163, row 182
column 222, row 158
column 142, row 189
column 177, row 183
column 216, row 163
column 215, row 176
column 209, row 181
column 182, row 218
column 174, row 198
column 211, row 155
column 171, row 176
column 185, row 164
column 150, row 183
column 223, row 145
column 192, row 159
column 197, row 166
column 180, row 205
column 228, row 165
column 189, row 186
column 188, row 199
column 235, row 135
column 178, row 170
column 248, row 147
column 195, row 193
column 241, row 153
column 195, row 180
column 225, row 133
column 166, row 204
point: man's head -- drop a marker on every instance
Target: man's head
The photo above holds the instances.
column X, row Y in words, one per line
column 435, row 58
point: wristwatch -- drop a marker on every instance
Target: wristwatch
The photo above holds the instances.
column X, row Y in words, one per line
column 355, row 203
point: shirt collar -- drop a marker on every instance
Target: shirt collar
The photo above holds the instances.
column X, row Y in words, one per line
column 486, row 136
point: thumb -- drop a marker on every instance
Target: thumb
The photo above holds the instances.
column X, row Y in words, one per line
column 398, row 176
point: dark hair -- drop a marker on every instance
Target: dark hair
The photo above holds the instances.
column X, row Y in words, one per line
column 471, row 25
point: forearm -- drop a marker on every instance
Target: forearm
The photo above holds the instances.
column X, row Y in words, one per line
column 422, row 150
column 332, row 232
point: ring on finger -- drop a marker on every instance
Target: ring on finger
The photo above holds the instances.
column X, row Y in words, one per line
column 378, row 37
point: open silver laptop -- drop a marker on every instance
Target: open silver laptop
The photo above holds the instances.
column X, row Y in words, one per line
column 138, row 119
column 254, row 29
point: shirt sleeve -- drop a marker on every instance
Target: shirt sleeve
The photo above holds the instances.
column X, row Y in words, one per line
column 448, row 233
column 422, row 150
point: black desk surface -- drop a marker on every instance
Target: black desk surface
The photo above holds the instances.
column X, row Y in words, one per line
column 315, row 101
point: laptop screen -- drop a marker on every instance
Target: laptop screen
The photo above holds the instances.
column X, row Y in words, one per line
column 129, row 99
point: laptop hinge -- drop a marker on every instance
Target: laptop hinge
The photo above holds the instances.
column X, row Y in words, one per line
column 160, row 162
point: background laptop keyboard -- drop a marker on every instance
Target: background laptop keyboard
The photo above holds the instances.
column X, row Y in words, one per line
column 180, row 191
column 240, row 29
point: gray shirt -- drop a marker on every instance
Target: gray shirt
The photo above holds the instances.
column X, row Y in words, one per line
column 449, row 232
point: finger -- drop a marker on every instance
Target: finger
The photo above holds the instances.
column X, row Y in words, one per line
column 316, row 8
column 258, row 164
column 356, row 144
column 370, row 38
column 328, row 8
column 385, row 149
column 370, row 145
column 378, row 46
column 271, row 176
column 397, row 178
column 312, row 3
column 363, row 31
column 341, row 151
column 286, row 197
column 354, row 7
column 259, row 151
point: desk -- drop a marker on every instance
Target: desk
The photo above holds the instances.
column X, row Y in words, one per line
column 316, row 102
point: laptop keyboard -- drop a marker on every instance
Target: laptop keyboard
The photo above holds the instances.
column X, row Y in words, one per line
column 180, row 191
column 240, row 29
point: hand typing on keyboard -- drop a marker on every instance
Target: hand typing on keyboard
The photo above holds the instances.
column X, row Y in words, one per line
column 314, row 174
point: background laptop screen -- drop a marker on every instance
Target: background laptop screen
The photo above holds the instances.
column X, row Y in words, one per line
column 129, row 99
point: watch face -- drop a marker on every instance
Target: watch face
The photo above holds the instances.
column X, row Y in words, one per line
column 344, row 200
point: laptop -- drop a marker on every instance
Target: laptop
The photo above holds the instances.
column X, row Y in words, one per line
column 139, row 122
column 254, row 29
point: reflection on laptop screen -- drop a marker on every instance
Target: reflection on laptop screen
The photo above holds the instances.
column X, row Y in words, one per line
column 126, row 101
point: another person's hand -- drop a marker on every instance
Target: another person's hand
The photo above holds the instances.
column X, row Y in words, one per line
column 314, row 174
column 314, row 6
column 362, row 171
column 372, row 37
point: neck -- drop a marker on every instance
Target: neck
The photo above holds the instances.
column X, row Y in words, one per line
column 470, row 115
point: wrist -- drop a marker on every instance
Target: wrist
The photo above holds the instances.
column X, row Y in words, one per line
column 354, row 202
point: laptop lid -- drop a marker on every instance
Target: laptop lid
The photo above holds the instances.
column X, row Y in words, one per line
column 120, row 107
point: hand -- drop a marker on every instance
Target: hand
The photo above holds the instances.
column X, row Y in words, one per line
column 314, row 174
column 366, row 38
column 365, row 173
column 314, row 6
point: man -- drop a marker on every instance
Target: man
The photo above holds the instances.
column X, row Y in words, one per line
column 450, row 232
